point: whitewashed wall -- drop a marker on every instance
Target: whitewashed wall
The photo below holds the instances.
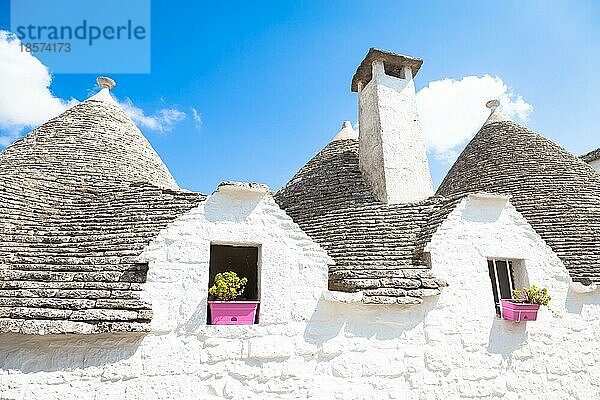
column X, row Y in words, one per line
column 452, row 346
column 551, row 357
column 596, row 165
column 292, row 269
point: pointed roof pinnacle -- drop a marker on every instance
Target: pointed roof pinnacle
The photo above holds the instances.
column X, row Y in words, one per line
column 495, row 115
column 106, row 82
column 493, row 104
column 347, row 132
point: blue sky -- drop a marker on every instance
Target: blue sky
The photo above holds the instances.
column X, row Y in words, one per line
column 271, row 80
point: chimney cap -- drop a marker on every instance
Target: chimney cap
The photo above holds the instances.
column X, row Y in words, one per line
column 394, row 66
column 106, row 82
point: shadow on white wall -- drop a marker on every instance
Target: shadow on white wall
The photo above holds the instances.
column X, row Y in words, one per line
column 197, row 321
column 575, row 301
column 506, row 337
column 65, row 352
column 221, row 207
column 382, row 322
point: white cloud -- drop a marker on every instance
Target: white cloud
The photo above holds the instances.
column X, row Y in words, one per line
column 197, row 118
column 452, row 111
column 162, row 120
column 27, row 102
column 25, row 97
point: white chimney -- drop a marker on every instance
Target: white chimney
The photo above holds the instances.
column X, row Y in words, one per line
column 392, row 153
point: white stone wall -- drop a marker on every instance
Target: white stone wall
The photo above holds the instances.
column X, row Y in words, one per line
column 392, row 146
column 450, row 347
column 553, row 357
column 292, row 269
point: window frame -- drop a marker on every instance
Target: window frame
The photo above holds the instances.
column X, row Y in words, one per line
column 257, row 270
column 496, row 289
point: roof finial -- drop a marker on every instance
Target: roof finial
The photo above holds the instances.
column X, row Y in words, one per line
column 105, row 82
column 495, row 115
column 493, row 104
column 347, row 132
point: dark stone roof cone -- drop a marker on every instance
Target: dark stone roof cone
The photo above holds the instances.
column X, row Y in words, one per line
column 557, row 192
column 93, row 142
column 80, row 198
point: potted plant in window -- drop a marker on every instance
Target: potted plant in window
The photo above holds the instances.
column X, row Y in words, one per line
column 224, row 310
column 525, row 304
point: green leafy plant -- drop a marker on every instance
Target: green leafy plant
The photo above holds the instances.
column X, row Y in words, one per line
column 533, row 295
column 228, row 286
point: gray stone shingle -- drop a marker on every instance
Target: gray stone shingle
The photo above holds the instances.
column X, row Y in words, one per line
column 379, row 249
column 591, row 156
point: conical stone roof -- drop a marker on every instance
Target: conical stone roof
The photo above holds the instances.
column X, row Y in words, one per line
column 557, row 192
column 80, row 198
column 375, row 246
column 93, row 143
column 591, row 156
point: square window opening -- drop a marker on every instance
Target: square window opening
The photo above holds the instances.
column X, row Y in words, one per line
column 244, row 261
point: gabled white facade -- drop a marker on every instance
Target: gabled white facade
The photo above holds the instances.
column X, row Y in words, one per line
column 292, row 268
column 475, row 354
column 311, row 345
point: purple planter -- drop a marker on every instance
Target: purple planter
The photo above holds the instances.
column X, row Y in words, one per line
column 519, row 311
column 232, row 312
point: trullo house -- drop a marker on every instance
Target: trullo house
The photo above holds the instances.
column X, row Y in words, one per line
column 369, row 285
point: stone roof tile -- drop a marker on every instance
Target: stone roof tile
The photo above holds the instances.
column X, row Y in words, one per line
column 591, row 156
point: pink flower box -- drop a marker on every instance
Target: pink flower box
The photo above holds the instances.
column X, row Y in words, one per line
column 232, row 312
column 519, row 311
